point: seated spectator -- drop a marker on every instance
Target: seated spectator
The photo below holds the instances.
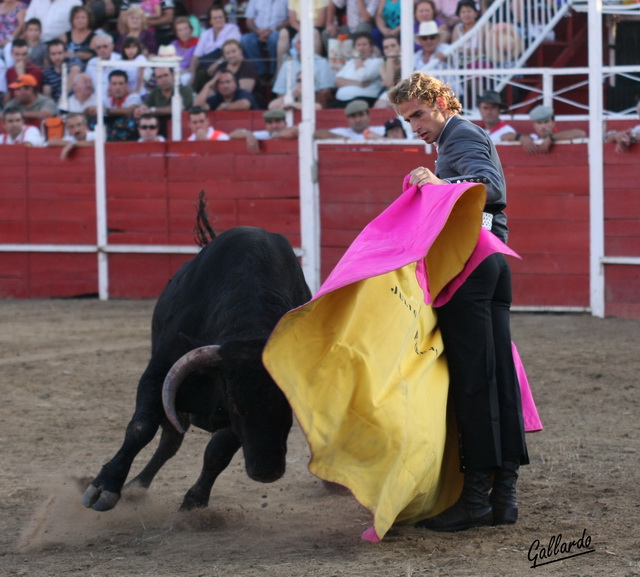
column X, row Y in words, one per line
column 83, row 98
column 37, row 48
column 53, row 16
column 432, row 49
column 104, row 47
column 291, row 100
column 77, row 135
column 119, row 108
column 226, row 94
column 360, row 76
column 360, row 18
column 208, row 52
column 545, row 133
column 285, row 82
column 134, row 25
column 149, row 128
column 185, row 45
column 357, row 113
column 624, row 138
column 390, row 69
column 34, row 105
column 288, row 33
column 52, row 86
column 77, row 41
column 275, row 128
column 468, row 13
column 200, row 128
column 11, row 20
column 246, row 73
column 264, row 19
column 387, row 21
column 132, row 51
column 22, row 65
column 17, row 131
column 394, row 129
column 490, row 105
column 158, row 101
column 425, row 11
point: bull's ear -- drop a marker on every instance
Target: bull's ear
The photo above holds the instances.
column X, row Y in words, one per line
column 190, row 343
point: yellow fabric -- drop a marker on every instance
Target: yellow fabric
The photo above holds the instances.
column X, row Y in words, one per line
column 363, row 367
column 370, row 393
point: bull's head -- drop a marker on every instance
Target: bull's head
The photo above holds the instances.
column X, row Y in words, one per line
column 259, row 413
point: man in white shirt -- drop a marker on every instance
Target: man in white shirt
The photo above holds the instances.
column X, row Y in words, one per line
column 77, row 135
column 490, row 105
column 357, row 113
column 54, row 16
column 360, row 76
column 264, row 19
column 324, row 80
column 17, row 132
column 103, row 45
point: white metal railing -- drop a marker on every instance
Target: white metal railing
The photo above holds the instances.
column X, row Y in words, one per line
column 628, row 7
column 504, row 38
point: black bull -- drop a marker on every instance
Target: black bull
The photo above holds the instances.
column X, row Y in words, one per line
column 230, row 295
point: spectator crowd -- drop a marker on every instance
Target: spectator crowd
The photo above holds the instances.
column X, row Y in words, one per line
column 237, row 56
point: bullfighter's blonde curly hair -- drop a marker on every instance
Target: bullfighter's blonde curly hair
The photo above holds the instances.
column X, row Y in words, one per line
column 425, row 88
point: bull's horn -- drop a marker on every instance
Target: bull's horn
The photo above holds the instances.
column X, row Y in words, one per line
column 208, row 356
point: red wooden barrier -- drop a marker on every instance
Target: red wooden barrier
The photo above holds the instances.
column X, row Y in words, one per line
column 152, row 190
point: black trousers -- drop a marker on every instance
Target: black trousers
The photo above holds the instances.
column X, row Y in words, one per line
column 483, row 386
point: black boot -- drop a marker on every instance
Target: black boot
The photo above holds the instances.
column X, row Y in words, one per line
column 503, row 494
column 473, row 509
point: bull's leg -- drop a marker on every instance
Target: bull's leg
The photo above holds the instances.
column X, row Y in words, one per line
column 170, row 442
column 221, row 448
column 104, row 491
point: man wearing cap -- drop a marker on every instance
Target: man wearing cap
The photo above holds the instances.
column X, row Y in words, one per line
column 433, row 51
column 17, row 132
column 545, row 133
column 357, row 113
column 276, row 129
column 490, row 105
column 34, row 106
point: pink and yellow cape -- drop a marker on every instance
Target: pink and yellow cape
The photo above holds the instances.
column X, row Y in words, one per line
column 362, row 363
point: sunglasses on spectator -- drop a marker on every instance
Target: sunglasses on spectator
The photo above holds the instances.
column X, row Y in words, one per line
column 148, row 127
column 432, row 37
column 356, row 114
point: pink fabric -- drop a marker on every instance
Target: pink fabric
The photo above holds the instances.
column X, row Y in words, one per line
column 402, row 234
column 530, row 415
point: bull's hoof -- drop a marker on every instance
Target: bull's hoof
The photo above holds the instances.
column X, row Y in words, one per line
column 99, row 500
column 193, row 501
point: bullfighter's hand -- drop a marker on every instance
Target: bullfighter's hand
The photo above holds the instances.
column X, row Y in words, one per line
column 422, row 176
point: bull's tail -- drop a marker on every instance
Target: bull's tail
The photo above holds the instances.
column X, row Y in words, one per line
column 203, row 233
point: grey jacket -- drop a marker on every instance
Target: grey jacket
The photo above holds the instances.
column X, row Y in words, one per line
column 467, row 154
